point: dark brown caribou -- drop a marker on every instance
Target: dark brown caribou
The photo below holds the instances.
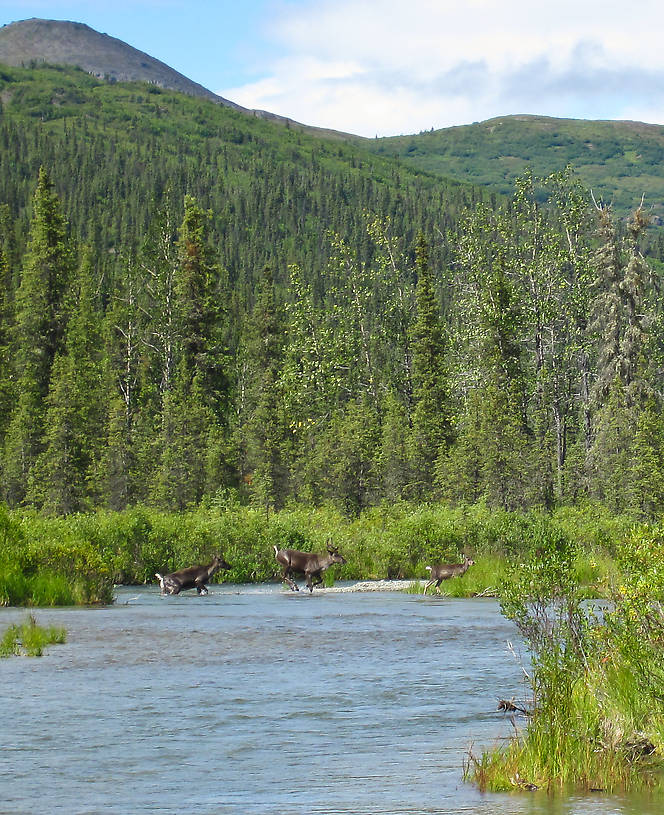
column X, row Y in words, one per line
column 310, row 565
column 193, row 577
column 443, row 571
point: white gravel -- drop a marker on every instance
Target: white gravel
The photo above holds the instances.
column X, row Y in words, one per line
column 373, row 585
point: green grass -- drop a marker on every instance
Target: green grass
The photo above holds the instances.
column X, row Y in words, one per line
column 50, row 588
column 29, row 639
column 481, row 580
column 77, row 559
column 591, row 743
column 597, row 711
column 595, row 572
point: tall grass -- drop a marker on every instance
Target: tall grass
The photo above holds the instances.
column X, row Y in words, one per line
column 29, row 639
column 595, row 574
column 48, row 589
column 597, row 679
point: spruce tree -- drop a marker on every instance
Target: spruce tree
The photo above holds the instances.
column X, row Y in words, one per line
column 65, row 478
column 491, row 328
column 40, row 323
column 620, row 327
column 620, row 318
column 647, row 466
column 180, row 479
column 157, row 268
column 265, row 427
column 123, row 331
column 609, row 462
column 460, row 469
column 56, row 481
column 7, row 379
column 193, row 457
column 346, row 457
column 431, row 430
column 393, row 461
column 201, row 308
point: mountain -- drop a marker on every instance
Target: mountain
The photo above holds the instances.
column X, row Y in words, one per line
column 247, row 312
column 281, row 209
column 57, row 42
column 63, row 43
column 120, row 130
column 620, row 161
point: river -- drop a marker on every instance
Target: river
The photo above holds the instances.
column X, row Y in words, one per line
column 258, row 700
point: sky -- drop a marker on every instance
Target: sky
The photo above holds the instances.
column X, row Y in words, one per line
column 389, row 67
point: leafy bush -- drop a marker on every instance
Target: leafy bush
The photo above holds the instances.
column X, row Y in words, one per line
column 88, row 553
column 597, row 677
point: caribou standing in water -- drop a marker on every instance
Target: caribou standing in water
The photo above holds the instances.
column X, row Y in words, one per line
column 443, row 571
column 310, row 565
column 194, row 577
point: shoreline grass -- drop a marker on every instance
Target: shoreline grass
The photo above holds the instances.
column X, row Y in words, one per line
column 597, row 679
column 72, row 560
column 29, row 639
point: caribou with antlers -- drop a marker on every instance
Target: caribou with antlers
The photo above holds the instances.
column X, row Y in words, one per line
column 311, row 566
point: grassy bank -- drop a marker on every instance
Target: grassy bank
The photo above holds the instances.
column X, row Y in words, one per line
column 597, row 675
column 78, row 559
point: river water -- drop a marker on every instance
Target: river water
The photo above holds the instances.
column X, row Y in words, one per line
column 257, row 700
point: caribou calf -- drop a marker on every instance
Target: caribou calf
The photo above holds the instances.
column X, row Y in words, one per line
column 443, row 571
column 194, row 577
column 311, row 566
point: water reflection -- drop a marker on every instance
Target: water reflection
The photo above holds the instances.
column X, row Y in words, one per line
column 252, row 700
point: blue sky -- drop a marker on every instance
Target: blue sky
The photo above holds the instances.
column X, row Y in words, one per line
column 383, row 67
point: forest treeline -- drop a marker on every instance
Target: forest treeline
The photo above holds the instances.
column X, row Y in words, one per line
column 521, row 367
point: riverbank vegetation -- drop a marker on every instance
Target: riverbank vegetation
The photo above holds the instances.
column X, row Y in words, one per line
column 596, row 718
column 78, row 559
column 29, row 639
column 271, row 339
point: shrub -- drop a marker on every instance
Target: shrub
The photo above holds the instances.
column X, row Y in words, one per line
column 597, row 678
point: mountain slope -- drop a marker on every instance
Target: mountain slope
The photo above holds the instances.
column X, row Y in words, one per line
column 64, row 43
column 619, row 161
column 57, row 42
column 116, row 149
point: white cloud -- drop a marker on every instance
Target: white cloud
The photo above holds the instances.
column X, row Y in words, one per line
column 386, row 67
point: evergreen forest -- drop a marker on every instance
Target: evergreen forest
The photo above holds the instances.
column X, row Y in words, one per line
column 200, row 306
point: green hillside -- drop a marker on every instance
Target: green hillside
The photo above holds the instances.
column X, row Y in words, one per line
column 619, row 161
column 56, row 42
column 113, row 149
column 95, row 271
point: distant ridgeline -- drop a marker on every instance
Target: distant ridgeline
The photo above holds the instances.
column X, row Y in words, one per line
column 199, row 304
column 620, row 161
column 35, row 42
